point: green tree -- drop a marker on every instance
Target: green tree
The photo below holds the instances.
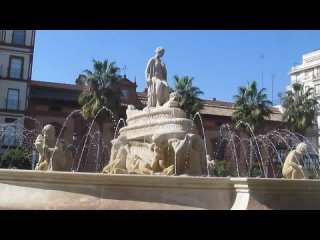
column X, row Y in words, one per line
column 16, row 158
column 100, row 91
column 299, row 108
column 189, row 100
column 251, row 106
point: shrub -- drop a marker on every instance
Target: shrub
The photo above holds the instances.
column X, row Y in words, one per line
column 222, row 168
column 16, row 158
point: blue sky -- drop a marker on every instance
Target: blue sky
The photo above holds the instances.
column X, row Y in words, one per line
column 219, row 60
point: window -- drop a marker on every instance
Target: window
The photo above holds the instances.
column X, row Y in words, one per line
column 19, row 37
column 9, row 138
column 306, row 88
column 317, row 88
column 58, row 129
column 55, row 109
column 16, row 67
column 125, row 93
column 13, row 99
column 221, row 150
column 219, row 124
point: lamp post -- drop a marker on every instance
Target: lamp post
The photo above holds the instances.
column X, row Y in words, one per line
column 273, row 77
column 261, row 56
column 86, row 147
column 34, row 155
column 74, row 149
column 74, row 138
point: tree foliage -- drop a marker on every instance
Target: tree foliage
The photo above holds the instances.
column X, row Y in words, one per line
column 189, row 100
column 299, row 108
column 16, row 158
column 252, row 107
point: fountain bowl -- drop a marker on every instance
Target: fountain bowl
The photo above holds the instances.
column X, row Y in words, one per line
column 27, row 189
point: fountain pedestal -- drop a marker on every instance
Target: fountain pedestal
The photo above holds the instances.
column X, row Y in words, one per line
column 158, row 141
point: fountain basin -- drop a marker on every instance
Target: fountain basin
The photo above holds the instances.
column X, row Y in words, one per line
column 277, row 194
column 25, row 189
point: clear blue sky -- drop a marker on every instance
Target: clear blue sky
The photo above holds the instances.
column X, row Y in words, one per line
column 220, row 61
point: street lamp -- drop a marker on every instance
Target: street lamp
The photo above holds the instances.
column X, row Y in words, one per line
column 74, row 137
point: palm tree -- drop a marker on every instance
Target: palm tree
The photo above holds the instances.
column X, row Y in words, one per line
column 252, row 107
column 101, row 91
column 299, row 108
column 188, row 94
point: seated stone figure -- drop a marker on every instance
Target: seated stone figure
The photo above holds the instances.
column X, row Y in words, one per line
column 291, row 167
column 51, row 155
column 119, row 153
column 123, row 160
column 190, row 155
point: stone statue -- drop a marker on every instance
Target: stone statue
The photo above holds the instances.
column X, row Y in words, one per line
column 291, row 167
column 50, row 150
column 156, row 77
column 118, row 159
column 190, row 155
column 173, row 101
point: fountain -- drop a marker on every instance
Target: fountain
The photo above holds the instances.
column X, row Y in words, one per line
column 159, row 161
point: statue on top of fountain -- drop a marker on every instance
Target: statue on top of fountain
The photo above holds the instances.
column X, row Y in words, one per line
column 51, row 154
column 156, row 77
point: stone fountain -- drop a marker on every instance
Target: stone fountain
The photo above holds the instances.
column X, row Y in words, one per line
column 158, row 139
column 158, row 161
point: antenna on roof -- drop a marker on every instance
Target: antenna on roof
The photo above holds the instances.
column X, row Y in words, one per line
column 124, row 70
column 273, row 77
column 261, row 56
column 135, row 82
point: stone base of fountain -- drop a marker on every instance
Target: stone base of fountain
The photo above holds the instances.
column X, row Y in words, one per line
column 277, row 194
column 24, row 189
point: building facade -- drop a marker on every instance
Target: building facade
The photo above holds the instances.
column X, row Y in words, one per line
column 308, row 74
column 52, row 103
column 16, row 57
column 57, row 104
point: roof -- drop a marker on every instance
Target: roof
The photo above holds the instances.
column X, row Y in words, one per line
column 57, row 85
column 214, row 107
column 125, row 81
column 54, row 91
column 218, row 108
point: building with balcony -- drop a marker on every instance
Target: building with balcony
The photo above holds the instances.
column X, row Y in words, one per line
column 16, row 57
column 308, row 74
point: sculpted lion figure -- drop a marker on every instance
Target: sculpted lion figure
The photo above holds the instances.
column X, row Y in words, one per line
column 173, row 101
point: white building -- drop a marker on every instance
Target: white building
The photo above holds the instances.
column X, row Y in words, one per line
column 16, row 57
column 308, row 73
